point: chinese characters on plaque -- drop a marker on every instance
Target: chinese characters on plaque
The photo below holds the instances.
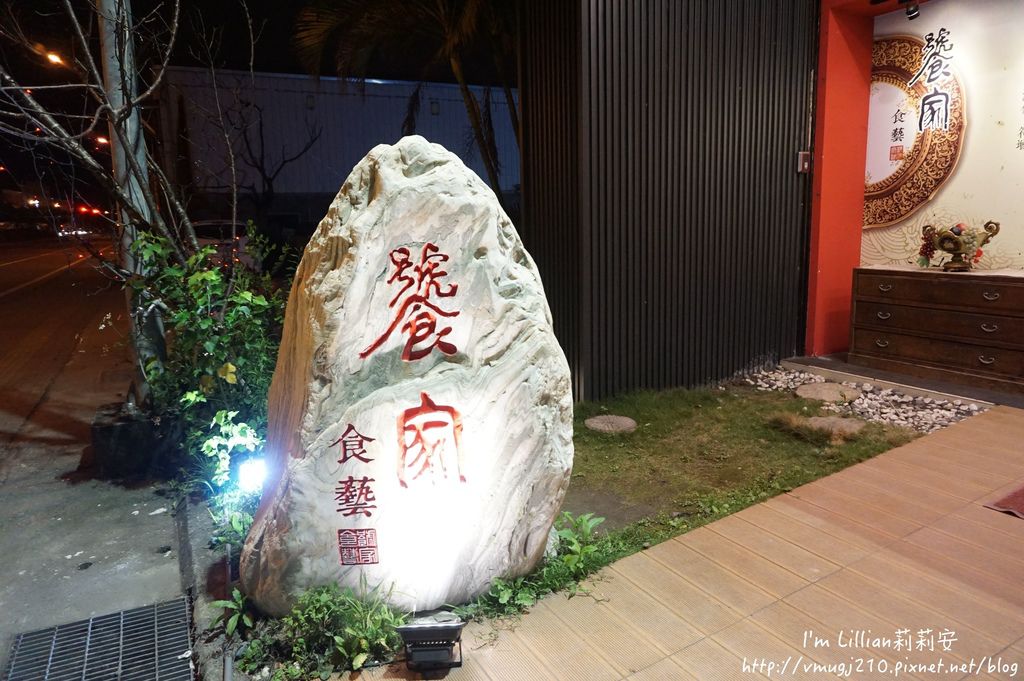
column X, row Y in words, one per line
column 934, row 72
column 428, row 434
column 898, row 135
column 1020, row 133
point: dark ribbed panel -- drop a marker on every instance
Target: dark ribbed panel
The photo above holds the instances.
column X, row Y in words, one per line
column 551, row 219
column 682, row 231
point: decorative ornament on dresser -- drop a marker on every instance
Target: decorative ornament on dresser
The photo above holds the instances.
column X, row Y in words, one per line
column 960, row 241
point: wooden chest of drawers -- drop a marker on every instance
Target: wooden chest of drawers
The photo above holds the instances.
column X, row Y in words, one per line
column 960, row 327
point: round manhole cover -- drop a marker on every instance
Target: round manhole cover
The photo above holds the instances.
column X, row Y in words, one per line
column 609, row 423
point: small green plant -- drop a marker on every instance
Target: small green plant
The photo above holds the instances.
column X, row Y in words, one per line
column 507, row 597
column 233, row 530
column 228, row 438
column 581, row 552
column 233, row 613
column 329, row 630
column 577, row 543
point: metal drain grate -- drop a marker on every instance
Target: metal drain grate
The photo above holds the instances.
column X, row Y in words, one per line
column 152, row 642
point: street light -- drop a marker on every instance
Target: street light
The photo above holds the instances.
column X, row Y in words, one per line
column 102, row 140
column 54, row 58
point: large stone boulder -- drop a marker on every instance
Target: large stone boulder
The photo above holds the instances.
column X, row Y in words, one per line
column 420, row 414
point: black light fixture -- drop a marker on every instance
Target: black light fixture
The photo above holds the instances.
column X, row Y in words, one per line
column 913, row 11
column 431, row 645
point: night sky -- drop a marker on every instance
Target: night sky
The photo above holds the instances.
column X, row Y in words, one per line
column 273, row 20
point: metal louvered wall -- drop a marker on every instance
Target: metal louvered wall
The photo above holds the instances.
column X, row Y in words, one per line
column 550, row 225
column 661, row 198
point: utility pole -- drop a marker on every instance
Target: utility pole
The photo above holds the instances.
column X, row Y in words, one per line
column 130, row 171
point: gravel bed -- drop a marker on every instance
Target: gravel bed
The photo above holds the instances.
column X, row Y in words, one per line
column 924, row 414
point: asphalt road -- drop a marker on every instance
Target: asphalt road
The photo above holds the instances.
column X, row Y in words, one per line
column 71, row 547
column 49, row 291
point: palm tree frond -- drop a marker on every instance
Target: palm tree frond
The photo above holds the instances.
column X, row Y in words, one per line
column 412, row 112
column 316, row 30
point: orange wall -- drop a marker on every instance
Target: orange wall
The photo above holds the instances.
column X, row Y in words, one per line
column 841, row 129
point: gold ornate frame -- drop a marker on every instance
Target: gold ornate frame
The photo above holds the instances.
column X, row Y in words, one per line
column 934, row 155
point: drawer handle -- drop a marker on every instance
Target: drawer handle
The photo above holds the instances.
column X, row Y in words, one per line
column 990, row 295
column 986, row 360
column 989, row 328
column 881, row 342
column 885, row 288
column 883, row 315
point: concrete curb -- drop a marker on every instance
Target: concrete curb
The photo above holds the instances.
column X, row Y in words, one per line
column 202, row 578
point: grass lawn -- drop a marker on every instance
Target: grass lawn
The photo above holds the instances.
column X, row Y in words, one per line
column 700, row 454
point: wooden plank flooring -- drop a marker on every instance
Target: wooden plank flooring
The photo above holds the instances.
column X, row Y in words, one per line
column 900, row 542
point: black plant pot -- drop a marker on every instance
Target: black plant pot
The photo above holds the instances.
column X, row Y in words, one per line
column 130, row 445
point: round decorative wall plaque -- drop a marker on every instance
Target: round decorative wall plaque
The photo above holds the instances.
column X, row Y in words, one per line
column 915, row 132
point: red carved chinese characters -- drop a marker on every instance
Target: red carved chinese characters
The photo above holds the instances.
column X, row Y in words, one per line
column 355, row 495
column 429, row 439
column 353, row 445
column 417, row 314
column 358, row 547
column 355, row 498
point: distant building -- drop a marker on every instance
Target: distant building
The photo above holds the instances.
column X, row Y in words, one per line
column 13, row 198
column 272, row 117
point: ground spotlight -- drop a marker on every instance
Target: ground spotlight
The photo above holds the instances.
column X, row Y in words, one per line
column 251, row 474
column 430, row 645
column 913, row 11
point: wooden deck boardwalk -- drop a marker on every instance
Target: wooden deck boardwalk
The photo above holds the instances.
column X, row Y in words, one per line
column 899, row 542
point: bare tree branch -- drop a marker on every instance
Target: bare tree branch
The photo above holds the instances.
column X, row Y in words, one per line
column 166, row 59
column 174, row 202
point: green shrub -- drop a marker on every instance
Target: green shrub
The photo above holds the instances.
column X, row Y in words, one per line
column 330, row 629
column 223, row 327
